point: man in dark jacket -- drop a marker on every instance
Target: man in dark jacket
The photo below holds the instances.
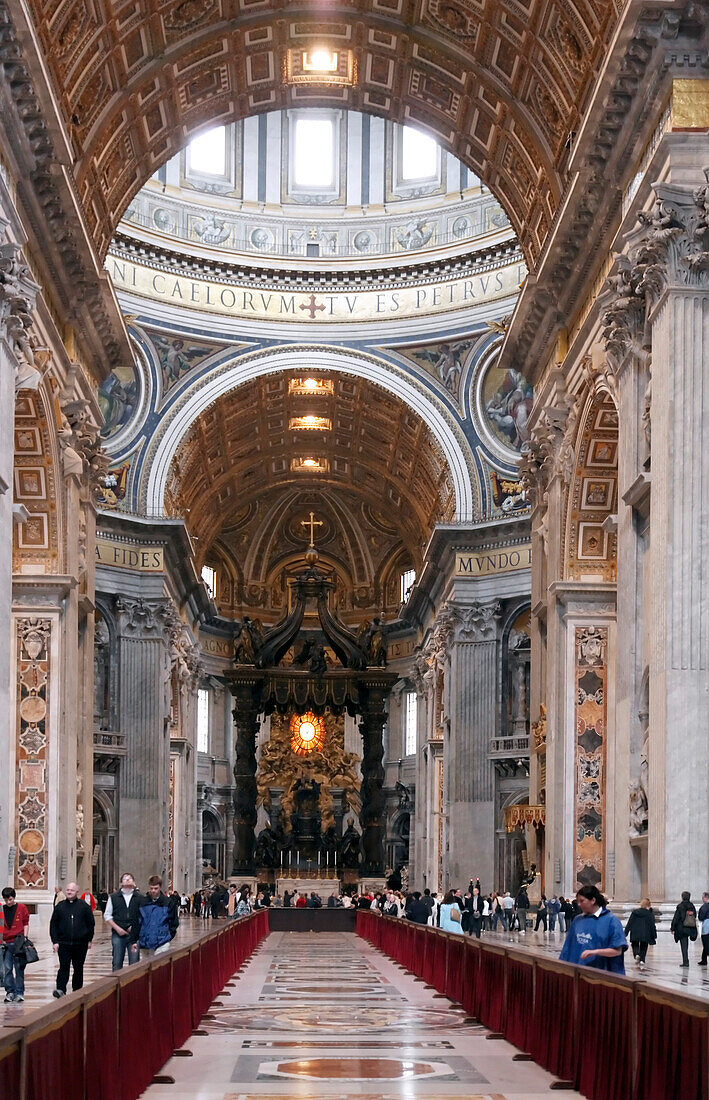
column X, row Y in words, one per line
column 71, row 931
column 159, row 919
column 417, row 910
column 122, row 916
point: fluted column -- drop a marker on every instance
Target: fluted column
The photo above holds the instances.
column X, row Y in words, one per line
column 667, row 264
column 470, row 776
column 678, row 597
column 144, row 710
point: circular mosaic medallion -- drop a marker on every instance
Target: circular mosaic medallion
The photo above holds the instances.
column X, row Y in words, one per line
column 33, row 709
column 31, row 841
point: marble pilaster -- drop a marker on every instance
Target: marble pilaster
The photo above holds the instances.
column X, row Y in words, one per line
column 144, row 714
column 473, row 695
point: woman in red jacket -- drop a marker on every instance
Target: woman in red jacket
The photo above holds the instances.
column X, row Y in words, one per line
column 15, row 922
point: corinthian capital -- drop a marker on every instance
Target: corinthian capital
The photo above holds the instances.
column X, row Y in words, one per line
column 478, row 623
column 668, row 247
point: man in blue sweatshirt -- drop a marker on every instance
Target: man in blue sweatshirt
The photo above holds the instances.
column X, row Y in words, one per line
column 159, row 919
column 596, row 937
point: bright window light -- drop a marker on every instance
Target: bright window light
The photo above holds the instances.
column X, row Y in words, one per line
column 207, row 153
column 209, row 576
column 202, row 720
column 313, row 160
column 408, row 580
column 410, row 719
column 419, row 155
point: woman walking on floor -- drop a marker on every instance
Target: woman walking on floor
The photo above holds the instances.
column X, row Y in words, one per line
column 640, row 930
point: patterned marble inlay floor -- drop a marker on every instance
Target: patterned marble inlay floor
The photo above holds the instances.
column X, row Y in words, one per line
column 326, row 1016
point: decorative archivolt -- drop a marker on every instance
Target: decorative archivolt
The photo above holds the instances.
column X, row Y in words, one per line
column 499, row 90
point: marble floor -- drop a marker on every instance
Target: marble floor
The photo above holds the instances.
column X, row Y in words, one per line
column 326, row 1016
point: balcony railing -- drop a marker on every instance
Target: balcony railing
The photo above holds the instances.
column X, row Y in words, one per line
column 107, row 743
column 514, row 746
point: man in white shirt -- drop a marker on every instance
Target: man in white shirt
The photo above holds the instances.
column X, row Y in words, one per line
column 122, row 915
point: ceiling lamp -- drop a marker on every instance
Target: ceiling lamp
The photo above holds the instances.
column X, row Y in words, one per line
column 320, row 65
column 309, row 465
column 310, row 423
column 320, row 60
column 311, row 387
column 307, row 733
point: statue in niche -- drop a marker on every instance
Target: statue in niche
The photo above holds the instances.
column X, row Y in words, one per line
column 349, row 846
column 637, row 801
column 519, row 695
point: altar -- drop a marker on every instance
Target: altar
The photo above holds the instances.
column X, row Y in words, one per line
column 322, row 884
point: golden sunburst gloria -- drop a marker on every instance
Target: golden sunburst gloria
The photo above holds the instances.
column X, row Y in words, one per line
column 307, row 733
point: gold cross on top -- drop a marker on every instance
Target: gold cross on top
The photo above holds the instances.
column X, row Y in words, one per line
column 312, row 523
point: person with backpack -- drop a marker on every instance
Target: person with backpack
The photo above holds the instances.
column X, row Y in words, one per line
column 684, row 926
column 13, row 932
column 159, row 919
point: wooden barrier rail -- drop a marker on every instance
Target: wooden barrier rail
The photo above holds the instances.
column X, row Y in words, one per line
column 108, row 1041
column 612, row 1037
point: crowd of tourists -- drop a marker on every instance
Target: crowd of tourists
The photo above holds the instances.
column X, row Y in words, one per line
column 145, row 924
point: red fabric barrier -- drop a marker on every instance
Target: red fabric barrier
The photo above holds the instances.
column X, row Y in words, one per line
column 554, row 1048
column 182, row 1020
column 200, row 988
column 103, row 1081
column 469, row 990
column 137, row 1063
column 439, row 961
column 55, row 1055
column 605, row 1020
column 519, row 1002
column 161, row 1011
column 10, row 1070
column 673, row 1051
column 491, row 983
column 427, row 956
column 454, row 969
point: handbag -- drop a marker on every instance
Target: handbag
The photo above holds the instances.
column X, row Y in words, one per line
column 28, row 951
column 455, row 914
column 690, row 920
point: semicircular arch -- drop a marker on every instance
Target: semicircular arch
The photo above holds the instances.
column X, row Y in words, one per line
column 195, row 401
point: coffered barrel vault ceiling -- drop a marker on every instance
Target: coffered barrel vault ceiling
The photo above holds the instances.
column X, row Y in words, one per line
column 243, row 479
column 500, row 82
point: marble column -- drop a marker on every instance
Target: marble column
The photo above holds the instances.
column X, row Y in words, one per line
column 473, row 694
column 372, row 814
column 676, row 235
column 143, row 715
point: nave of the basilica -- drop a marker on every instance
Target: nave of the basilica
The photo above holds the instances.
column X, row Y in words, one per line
column 353, row 484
